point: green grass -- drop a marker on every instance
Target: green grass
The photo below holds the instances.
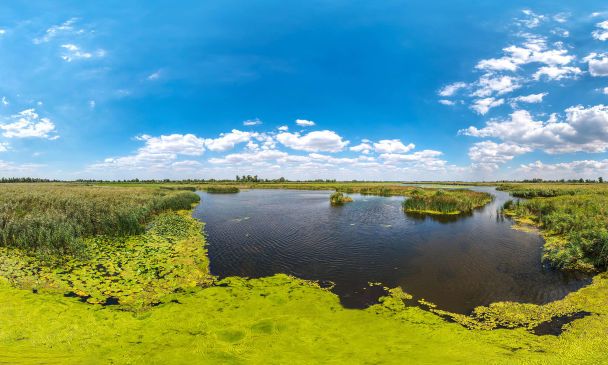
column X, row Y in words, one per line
column 52, row 220
column 445, row 201
column 338, row 198
column 575, row 228
column 168, row 314
column 221, row 189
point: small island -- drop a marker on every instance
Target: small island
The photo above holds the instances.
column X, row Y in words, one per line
column 338, row 198
column 442, row 202
column 221, row 189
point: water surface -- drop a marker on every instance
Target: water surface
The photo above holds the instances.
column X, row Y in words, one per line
column 457, row 263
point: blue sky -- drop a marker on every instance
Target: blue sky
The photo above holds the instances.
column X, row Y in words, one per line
column 321, row 89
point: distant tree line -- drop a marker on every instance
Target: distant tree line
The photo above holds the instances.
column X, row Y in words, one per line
column 24, row 180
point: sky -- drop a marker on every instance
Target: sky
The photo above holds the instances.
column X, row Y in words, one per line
column 368, row 90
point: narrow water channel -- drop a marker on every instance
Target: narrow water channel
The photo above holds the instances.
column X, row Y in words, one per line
column 457, row 263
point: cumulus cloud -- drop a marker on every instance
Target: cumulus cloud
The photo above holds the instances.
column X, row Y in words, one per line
column 283, row 128
column 305, row 123
column 364, row 148
column 601, row 34
column 597, row 63
column 425, row 159
column 451, row 89
column 491, row 154
column 566, row 170
column 327, row 141
column 227, row 141
column 175, row 144
column 252, row 122
column 532, row 98
column 557, row 73
column 488, row 85
column 584, row 129
column 482, row 106
column 392, row 146
column 73, row 52
column 28, row 124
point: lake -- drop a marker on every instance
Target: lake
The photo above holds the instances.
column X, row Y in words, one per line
column 456, row 262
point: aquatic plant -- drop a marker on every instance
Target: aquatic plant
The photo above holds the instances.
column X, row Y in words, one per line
column 445, row 201
column 52, row 220
column 338, row 198
column 219, row 189
column 575, row 228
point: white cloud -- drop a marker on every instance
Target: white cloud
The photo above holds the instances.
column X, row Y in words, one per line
column 66, row 27
column 174, row 144
column 584, row 129
column 316, row 141
column 425, row 159
column 532, row 98
column 364, row 148
column 28, row 123
column 446, row 102
column 304, row 123
column 252, row 122
column 566, row 170
column 2, row 31
column 491, row 154
column 283, row 128
column 561, row 17
column 605, row 90
column 601, row 34
column 4, row 146
column 451, row 89
column 482, row 106
column 4, row 101
column 92, row 104
column 74, row 52
column 154, row 75
column 228, row 141
column 499, row 85
column 392, row 146
column 598, row 64
column 557, row 73
column 532, row 20
column 250, row 157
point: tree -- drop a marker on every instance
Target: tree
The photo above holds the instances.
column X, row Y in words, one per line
column 600, row 179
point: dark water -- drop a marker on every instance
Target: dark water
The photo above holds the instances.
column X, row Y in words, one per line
column 457, row 263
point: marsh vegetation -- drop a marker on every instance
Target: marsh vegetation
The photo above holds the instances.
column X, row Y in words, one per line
column 339, row 198
column 51, row 220
column 146, row 255
column 221, row 189
column 450, row 202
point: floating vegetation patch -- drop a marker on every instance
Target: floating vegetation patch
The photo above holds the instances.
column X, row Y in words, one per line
column 134, row 271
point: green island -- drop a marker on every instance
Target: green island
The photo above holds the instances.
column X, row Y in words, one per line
column 339, row 198
column 450, row 202
column 118, row 273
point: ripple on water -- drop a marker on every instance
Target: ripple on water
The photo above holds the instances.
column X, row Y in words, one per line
column 457, row 262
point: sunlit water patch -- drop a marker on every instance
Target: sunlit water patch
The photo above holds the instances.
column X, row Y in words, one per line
column 457, row 263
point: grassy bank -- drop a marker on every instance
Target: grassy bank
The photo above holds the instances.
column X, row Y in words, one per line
column 445, row 201
column 52, row 220
column 575, row 228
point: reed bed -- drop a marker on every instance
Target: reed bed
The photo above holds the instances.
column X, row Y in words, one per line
column 52, row 220
column 338, row 198
column 575, row 226
column 547, row 190
column 445, row 202
column 222, row 189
